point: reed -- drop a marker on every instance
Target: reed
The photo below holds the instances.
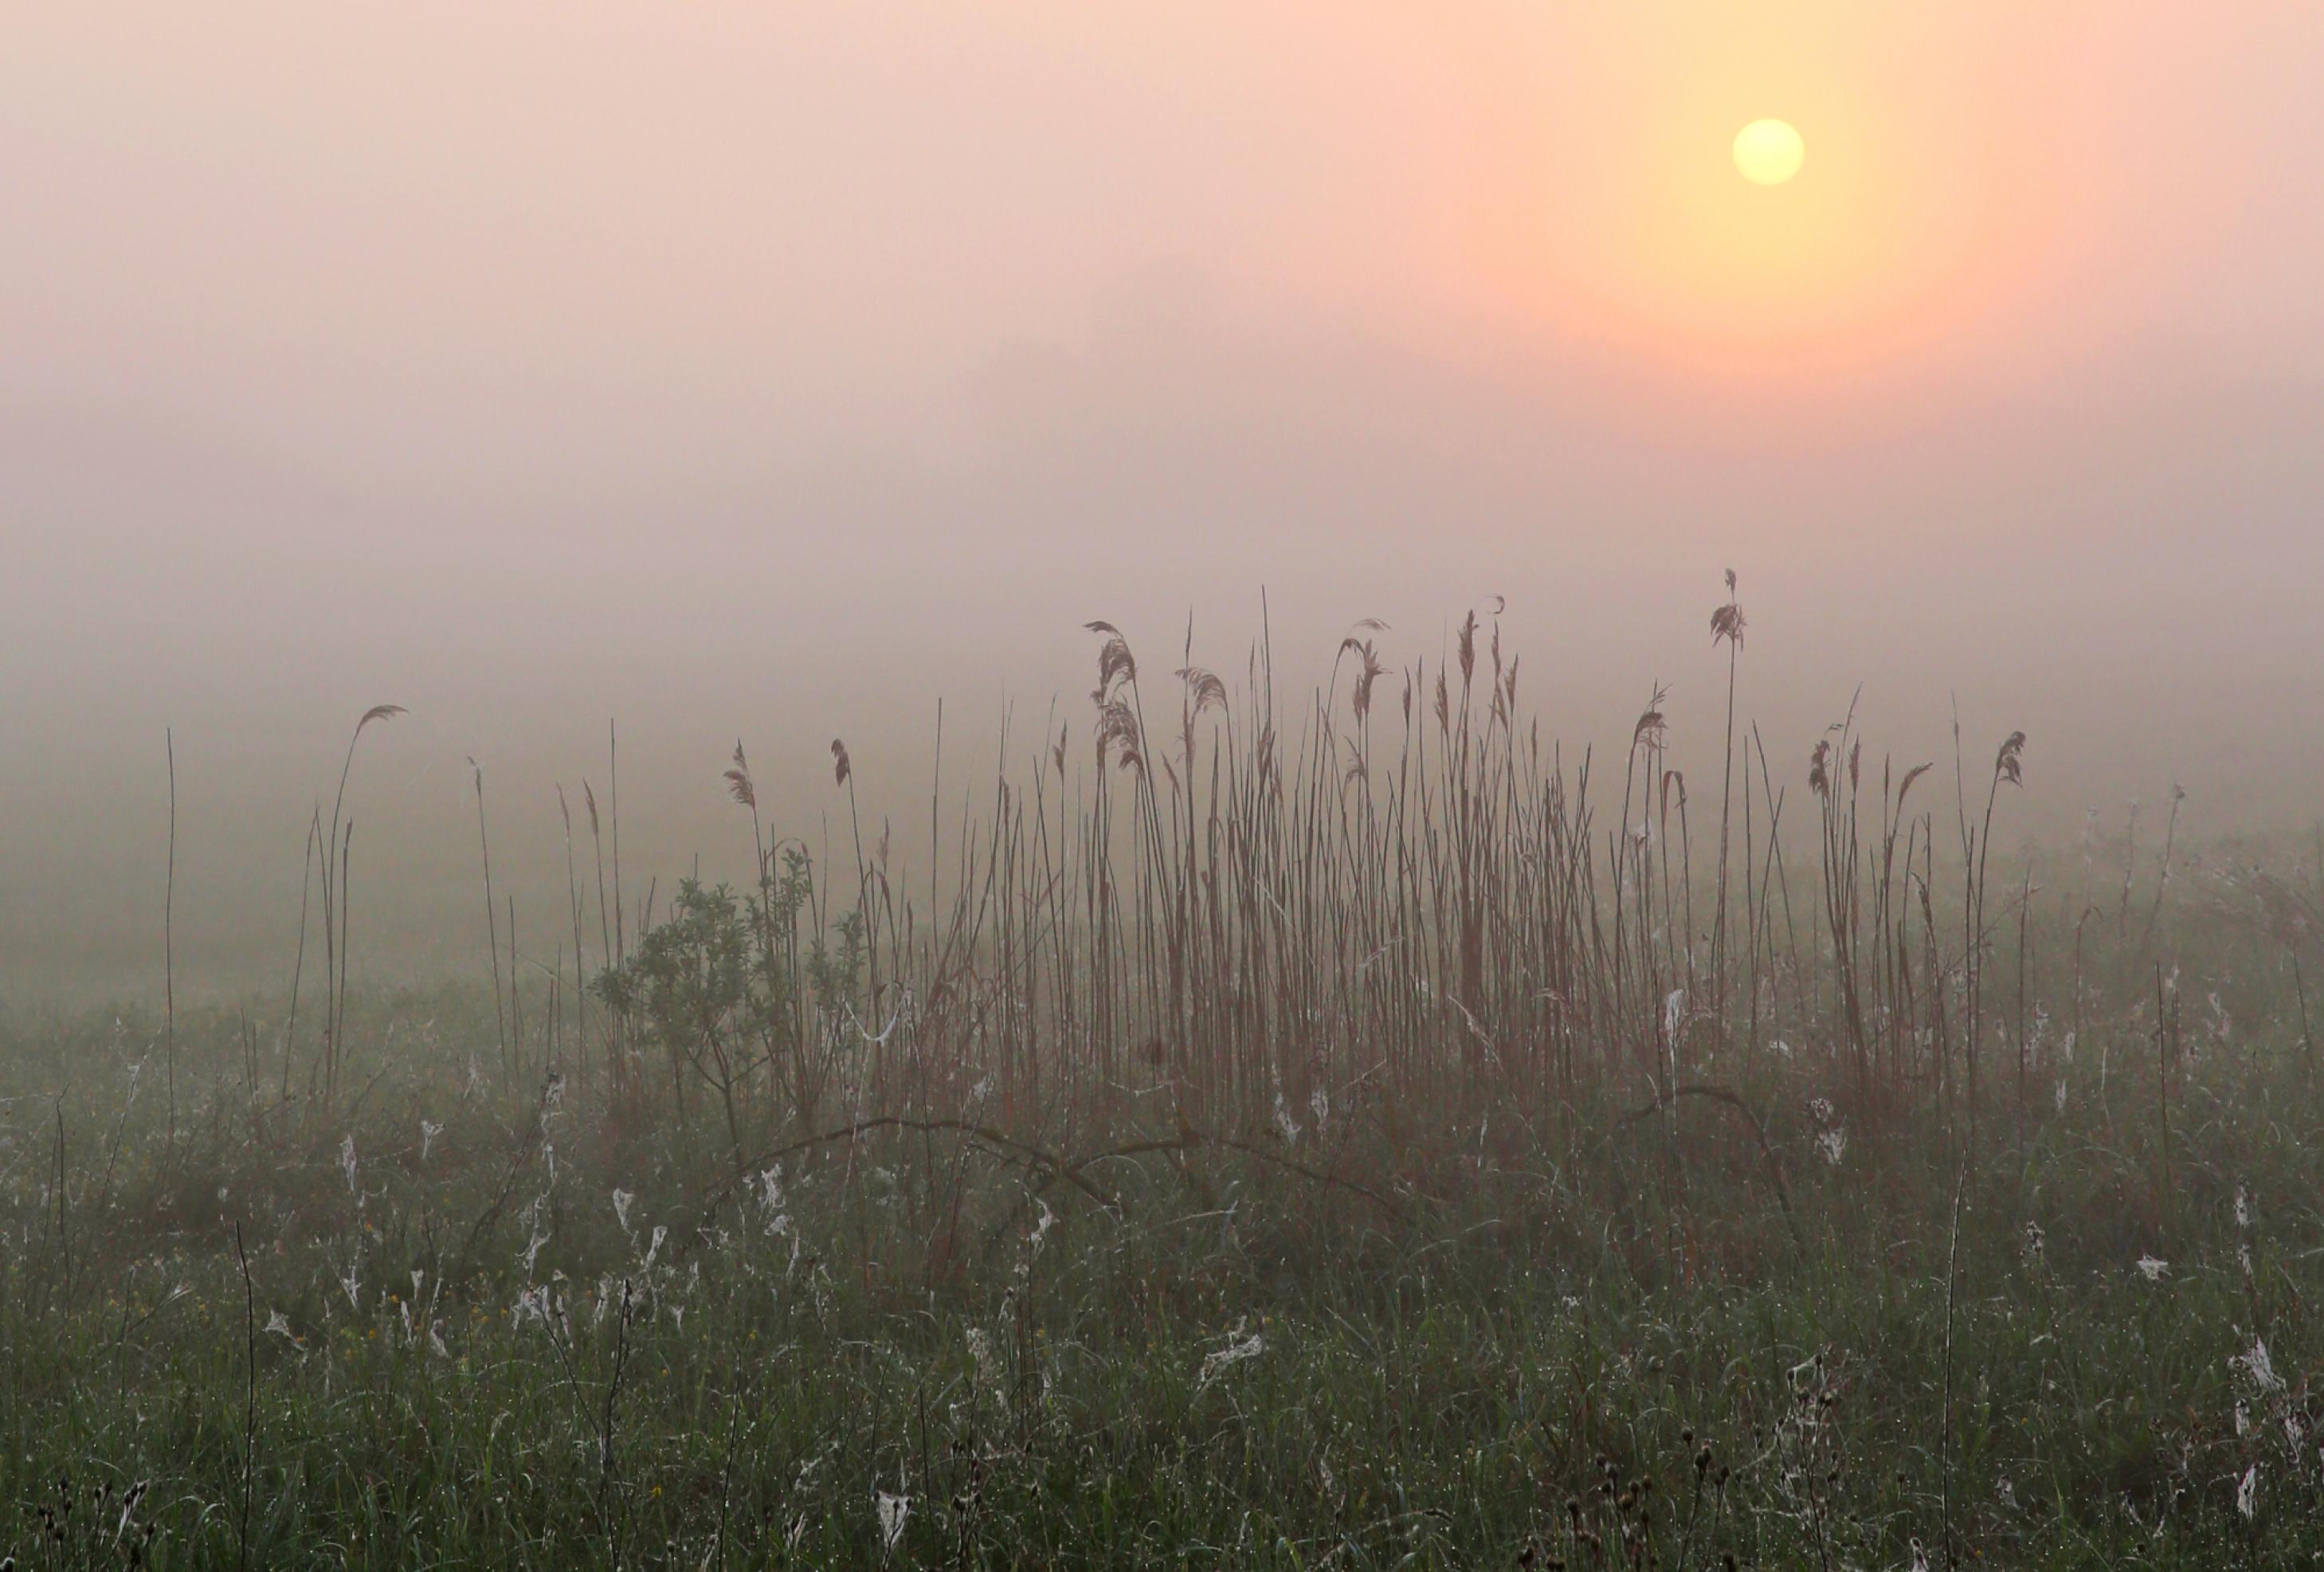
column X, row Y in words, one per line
column 1320, row 1128
column 1239, row 925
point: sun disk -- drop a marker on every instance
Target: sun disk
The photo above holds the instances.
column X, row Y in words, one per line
column 1769, row 152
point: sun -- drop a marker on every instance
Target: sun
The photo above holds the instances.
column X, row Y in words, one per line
column 1769, row 152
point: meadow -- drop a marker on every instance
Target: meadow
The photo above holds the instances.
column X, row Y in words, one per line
column 1356, row 1134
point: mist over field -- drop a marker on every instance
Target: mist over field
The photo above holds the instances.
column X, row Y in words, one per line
column 993, row 783
column 731, row 376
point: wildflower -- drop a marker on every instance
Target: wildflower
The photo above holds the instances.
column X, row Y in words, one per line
column 1282, row 1120
column 1233, row 1351
column 2259, row 1368
column 771, row 1201
column 893, row 1510
column 980, row 1355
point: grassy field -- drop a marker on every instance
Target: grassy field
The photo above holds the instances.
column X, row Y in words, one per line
column 1388, row 1150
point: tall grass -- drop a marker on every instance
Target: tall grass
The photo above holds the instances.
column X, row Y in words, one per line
column 1255, row 907
column 1349, row 1130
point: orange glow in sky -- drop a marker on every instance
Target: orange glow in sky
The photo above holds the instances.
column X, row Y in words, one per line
column 1615, row 212
column 350, row 350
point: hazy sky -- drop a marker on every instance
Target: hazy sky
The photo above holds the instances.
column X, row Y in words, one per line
column 778, row 368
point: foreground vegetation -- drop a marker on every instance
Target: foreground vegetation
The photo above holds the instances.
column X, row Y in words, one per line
column 1376, row 1160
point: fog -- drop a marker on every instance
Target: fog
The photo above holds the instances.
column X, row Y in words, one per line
column 779, row 372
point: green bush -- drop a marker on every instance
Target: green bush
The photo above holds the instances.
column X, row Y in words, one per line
column 727, row 994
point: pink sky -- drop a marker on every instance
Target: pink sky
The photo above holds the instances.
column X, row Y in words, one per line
column 778, row 368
